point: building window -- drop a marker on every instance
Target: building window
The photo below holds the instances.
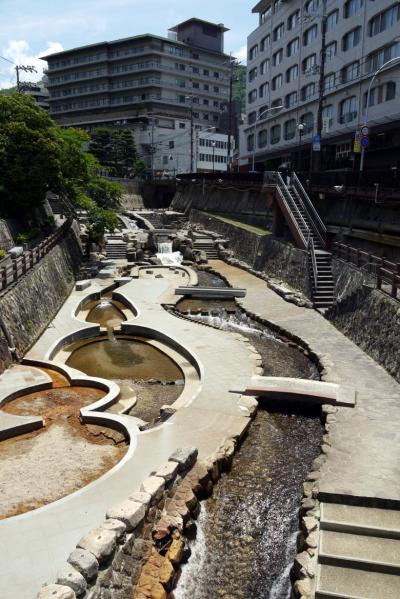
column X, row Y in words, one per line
column 350, row 72
column 327, row 117
column 195, row 85
column 291, row 100
column 381, row 93
column 265, row 42
column 348, row 110
column 206, row 87
column 195, row 70
column 276, row 103
column 351, row 39
column 275, row 134
column 252, row 96
column 308, row 122
column 263, row 91
column 171, row 145
column 351, row 8
column 216, row 75
column 310, row 35
column 293, row 20
column 332, row 20
column 277, row 57
column 292, row 73
column 262, row 138
column 216, row 89
column 265, row 14
column 331, row 51
column 264, row 66
column 307, row 91
column 253, row 52
column 311, row 6
column 329, row 81
column 377, row 59
column 293, row 47
column 278, row 32
column 277, row 82
column 250, row 142
column 309, row 63
column 205, row 102
column 384, row 20
column 182, row 125
column 253, row 74
column 289, row 129
column 251, row 118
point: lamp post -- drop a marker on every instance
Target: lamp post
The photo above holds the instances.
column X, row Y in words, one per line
column 300, row 128
column 213, row 144
column 381, row 68
column 254, row 132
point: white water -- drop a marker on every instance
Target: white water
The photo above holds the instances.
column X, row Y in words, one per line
column 232, row 323
column 187, row 582
column 167, row 256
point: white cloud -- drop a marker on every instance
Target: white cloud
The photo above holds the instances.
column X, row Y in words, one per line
column 241, row 54
column 19, row 52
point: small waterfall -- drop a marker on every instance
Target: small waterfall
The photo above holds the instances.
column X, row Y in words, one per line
column 167, row 256
column 232, row 322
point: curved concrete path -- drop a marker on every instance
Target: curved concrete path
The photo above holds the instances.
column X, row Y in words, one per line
column 365, row 458
column 35, row 545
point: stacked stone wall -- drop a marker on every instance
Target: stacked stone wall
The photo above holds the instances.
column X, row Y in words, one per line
column 262, row 252
column 28, row 306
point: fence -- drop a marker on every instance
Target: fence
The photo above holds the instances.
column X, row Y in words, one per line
column 385, row 273
column 20, row 266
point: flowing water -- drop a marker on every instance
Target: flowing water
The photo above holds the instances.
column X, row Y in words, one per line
column 247, row 531
column 105, row 312
column 167, row 256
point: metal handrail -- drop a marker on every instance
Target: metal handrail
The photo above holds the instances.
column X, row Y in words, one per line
column 311, row 250
column 315, row 218
column 296, row 208
column 277, row 180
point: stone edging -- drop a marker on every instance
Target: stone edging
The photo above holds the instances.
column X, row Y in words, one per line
column 137, row 551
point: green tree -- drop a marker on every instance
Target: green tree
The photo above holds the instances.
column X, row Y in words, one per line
column 101, row 145
column 116, row 150
column 105, row 194
column 99, row 221
column 30, row 155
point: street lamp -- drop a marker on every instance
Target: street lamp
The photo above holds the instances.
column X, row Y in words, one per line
column 213, row 144
column 300, row 128
column 381, row 68
column 254, row 132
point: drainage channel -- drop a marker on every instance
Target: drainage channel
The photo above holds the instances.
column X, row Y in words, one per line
column 247, row 531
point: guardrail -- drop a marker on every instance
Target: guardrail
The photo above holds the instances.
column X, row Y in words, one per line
column 309, row 207
column 385, row 272
column 20, row 266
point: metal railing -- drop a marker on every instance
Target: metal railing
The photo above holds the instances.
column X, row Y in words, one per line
column 386, row 274
column 20, row 266
column 311, row 253
column 315, row 219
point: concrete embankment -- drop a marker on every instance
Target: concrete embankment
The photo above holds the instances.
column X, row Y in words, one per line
column 27, row 307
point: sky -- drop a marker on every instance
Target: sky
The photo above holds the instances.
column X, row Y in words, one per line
column 30, row 29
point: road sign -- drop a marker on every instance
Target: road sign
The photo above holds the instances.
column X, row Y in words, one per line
column 316, row 143
column 365, row 142
column 364, row 131
column 357, row 143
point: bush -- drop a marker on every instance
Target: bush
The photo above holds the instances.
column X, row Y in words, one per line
column 2, row 254
column 27, row 236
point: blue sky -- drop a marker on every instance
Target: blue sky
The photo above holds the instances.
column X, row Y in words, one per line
column 31, row 28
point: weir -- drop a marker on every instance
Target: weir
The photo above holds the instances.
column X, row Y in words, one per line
column 167, row 256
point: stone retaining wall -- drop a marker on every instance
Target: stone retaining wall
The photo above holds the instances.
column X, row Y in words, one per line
column 137, row 551
column 28, row 306
column 262, row 252
column 5, row 357
column 6, row 240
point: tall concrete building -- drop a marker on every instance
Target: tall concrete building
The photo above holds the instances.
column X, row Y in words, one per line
column 160, row 87
column 290, row 65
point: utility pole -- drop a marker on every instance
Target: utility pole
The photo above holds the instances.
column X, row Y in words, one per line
column 317, row 155
column 152, row 146
column 26, row 69
column 191, row 135
column 232, row 64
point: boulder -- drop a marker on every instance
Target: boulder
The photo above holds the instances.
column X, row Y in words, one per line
column 56, row 591
column 84, row 562
column 141, row 497
column 154, row 486
column 116, row 526
column 70, row 577
column 131, row 513
column 167, row 471
column 100, row 542
column 185, row 457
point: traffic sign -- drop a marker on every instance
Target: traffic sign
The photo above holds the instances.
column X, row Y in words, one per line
column 364, row 131
column 357, row 144
column 317, row 143
column 365, row 142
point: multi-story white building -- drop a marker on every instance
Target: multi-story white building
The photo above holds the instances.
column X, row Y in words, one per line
column 284, row 64
column 158, row 86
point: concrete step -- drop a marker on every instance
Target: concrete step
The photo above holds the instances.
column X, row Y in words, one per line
column 347, row 583
column 375, row 554
column 360, row 520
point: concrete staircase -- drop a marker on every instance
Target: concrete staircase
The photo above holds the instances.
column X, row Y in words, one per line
column 359, row 553
column 206, row 244
column 115, row 248
column 323, row 288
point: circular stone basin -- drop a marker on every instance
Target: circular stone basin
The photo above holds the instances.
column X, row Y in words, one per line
column 124, row 360
column 60, row 458
column 105, row 312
